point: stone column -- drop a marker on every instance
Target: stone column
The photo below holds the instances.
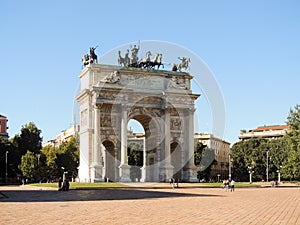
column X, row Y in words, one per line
column 143, row 169
column 116, row 164
column 124, row 167
column 166, row 171
column 97, row 164
column 190, row 168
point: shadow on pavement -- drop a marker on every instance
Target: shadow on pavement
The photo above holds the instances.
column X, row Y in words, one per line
column 89, row 195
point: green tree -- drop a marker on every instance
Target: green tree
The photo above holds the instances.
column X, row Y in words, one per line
column 67, row 156
column 135, row 159
column 28, row 165
column 278, row 153
column 13, row 159
column 29, row 139
column 291, row 166
column 198, row 153
column 204, row 158
column 49, row 154
column 135, row 153
column 250, row 153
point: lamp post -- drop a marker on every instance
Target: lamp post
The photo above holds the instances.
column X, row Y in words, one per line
column 64, row 176
column 6, row 166
column 267, row 170
column 278, row 171
column 250, row 174
column 38, row 158
column 230, row 161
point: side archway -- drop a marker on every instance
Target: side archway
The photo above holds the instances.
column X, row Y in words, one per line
column 176, row 160
column 110, row 159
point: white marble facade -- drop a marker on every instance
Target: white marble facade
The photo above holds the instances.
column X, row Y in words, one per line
column 162, row 101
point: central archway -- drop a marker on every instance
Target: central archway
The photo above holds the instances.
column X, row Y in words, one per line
column 149, row 143
column 135, row 146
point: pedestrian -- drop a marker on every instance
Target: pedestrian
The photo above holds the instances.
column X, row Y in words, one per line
column 227, row 185
column 172, row 182
column 232, row 185
column 224, row 183
column 67, row 184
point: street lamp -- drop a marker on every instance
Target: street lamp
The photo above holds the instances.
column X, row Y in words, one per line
column 38, row 158
column 250, row 174
column 63, row 168
column 229, row 169
column 267, row 170
column 6, row 166
column 278, row 171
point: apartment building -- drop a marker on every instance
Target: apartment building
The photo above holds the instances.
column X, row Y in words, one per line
column 220, row 169
column 3, row 127
column 268, row 132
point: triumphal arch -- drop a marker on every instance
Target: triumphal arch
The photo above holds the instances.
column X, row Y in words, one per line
column 160, row 100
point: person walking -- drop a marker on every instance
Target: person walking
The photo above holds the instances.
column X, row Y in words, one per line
column 232, row 185
column 227, row 185
column 172, row 182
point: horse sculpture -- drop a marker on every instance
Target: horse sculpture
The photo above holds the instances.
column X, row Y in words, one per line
column 89, row 58
column 184, row 64
column 121, row 60
column 157, row 61
column 144, row 63
column 93, row 56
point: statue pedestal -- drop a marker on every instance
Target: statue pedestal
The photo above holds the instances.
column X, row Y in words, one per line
column 125, row 173
column 96, row 173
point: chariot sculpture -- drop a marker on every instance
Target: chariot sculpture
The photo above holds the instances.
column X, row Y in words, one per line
column 149, row 63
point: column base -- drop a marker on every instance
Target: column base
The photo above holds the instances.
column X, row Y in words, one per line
column 96, row 173
column 125, row 173
column 165, row 173
column 190, row 174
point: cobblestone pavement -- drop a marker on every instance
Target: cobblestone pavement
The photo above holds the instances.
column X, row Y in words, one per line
column 135, row 205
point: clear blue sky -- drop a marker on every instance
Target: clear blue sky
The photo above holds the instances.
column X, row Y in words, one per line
column 252, row 48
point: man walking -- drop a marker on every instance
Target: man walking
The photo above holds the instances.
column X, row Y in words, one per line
column 232, row 185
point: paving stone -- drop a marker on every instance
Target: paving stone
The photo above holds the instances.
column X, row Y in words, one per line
column 148, row 205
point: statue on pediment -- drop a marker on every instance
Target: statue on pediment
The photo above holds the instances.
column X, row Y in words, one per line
column 93, row 55
column 89, row 58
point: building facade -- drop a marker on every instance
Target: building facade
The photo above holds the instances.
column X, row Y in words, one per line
column 219, row 169
column 3, row 127
column 63, row 136
column 161, row 101
column 268, row 132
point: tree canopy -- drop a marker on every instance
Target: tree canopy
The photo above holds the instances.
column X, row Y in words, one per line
column 284, row 154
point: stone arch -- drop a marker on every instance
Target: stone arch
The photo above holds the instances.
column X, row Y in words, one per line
column 166, row 113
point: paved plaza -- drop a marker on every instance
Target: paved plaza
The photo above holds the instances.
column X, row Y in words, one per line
column 150, row 204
